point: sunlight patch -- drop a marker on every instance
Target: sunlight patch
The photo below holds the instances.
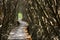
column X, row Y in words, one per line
column 20, row 16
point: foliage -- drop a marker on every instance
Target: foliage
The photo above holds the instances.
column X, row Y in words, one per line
column 9, row 11
column 43, row 19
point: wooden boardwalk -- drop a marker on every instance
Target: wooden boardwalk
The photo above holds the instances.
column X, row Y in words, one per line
column 20, row 33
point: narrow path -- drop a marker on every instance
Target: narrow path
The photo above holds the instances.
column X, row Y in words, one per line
column 20, row 33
